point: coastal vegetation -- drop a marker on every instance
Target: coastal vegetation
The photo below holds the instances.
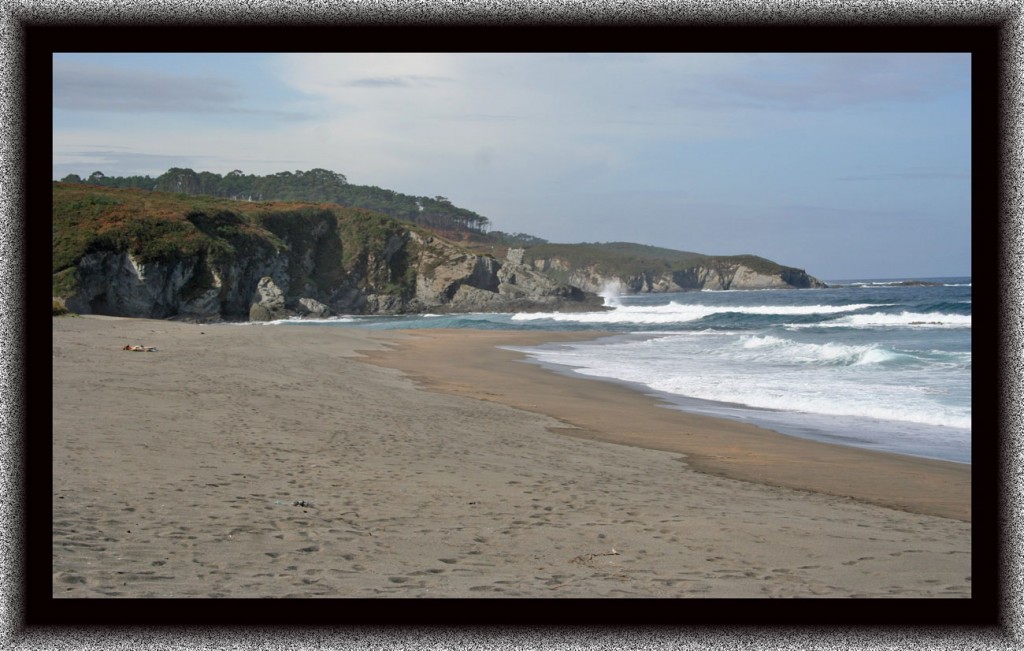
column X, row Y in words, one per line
column 59, row 309
column 313, row 186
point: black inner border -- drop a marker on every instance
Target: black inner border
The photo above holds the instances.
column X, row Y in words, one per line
column 981, row 40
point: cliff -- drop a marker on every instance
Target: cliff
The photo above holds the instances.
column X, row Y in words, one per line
column 159, row 255
column 638, row 268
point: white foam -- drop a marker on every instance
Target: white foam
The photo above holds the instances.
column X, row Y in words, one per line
column 296, row 319
column 779, row 350
column 770, row 372
column 903, row 319
column 675, row 312
column 842, row 400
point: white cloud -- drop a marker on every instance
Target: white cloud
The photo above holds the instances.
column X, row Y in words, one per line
column 524, row 118
column 88, row 87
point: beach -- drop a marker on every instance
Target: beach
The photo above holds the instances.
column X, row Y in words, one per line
column 315, row 461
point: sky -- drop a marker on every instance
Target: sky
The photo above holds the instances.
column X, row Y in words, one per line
column 845, row 165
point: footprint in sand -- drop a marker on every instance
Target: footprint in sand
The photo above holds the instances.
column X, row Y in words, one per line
column 67, row 577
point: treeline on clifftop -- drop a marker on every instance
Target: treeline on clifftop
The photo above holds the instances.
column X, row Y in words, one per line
column 314, row 186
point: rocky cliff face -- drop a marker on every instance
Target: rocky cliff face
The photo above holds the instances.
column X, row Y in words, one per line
column 449, row 280
column 115, row 283
column 714, row 275
column 323, row 269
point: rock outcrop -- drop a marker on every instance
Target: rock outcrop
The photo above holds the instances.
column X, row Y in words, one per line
column 321, row 270
column 716, row 275
column 268, row 301
column 117, row 283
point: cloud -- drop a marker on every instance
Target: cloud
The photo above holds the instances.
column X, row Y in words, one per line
column 832, row 81
column 378, row 82
column 127, row 152
column 539, row 102
column 81, row 86
column 332, row 75
column 119, row 162
column 404, row 81
column 548, row 118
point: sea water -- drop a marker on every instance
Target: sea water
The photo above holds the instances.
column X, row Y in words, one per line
column 877, row 364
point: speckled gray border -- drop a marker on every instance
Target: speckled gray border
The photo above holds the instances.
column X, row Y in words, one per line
column 16, row 13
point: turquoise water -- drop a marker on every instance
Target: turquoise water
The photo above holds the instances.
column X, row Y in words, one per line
column 871, row 364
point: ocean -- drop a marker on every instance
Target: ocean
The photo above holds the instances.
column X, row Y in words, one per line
column 878, row 364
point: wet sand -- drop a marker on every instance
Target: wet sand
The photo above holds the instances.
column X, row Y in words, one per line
column 268, row 461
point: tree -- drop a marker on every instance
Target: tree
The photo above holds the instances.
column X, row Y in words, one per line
column 177, row 179
column 210, row 183
column 316, row 185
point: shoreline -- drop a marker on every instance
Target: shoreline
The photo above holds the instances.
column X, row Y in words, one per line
column 268, row 461
column 696, row 406
column 629, row 416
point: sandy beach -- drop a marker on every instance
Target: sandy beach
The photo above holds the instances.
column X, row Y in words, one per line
column 270, row 461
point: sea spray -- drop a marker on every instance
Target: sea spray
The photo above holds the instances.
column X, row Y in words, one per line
column 611, row 292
